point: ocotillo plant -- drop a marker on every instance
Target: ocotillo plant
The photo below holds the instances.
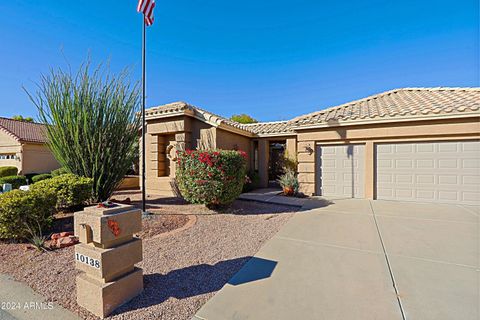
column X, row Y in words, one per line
column 92, row 123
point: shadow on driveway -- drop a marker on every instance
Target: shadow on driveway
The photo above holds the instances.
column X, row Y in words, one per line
column 198, row 279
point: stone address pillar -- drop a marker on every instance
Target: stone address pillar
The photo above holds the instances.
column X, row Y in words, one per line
column 106, row 257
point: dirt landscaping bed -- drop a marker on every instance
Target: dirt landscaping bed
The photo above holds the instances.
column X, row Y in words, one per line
column 189, row 254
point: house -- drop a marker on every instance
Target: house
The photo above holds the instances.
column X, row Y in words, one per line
column 24, row 145
column 411, row 144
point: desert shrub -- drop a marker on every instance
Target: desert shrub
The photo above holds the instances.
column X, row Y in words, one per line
column 252, row 182
column 68, row 189
column 20, row 210
column 212, row 177
column 289, row 182
column 8, row 171
column 59, row 172
column 15, row 181
column 40, row 177
column 91, row 122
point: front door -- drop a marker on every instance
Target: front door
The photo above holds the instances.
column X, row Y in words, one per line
column 276, row 161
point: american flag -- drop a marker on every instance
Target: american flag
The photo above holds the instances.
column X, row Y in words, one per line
column 146, row 7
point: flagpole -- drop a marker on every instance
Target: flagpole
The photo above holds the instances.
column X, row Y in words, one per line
column 143, row 117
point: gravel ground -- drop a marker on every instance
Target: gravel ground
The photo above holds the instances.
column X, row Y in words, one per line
column 182, row 269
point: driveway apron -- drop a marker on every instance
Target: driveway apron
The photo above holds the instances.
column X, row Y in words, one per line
column 329, row 264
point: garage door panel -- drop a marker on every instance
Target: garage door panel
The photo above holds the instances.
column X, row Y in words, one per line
column 471, row 180
column 429, row 171
column 471, row 146
column 425, row 195
column 425, row 178
column 425, row 148
column 448, row 164
column 340, row 171
column 471, row 163
column 425, row 163
column 386, row 178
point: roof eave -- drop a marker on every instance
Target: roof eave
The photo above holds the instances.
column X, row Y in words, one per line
column 9, row 133
column 229, row 128
column 279, row 134
column 212, row 120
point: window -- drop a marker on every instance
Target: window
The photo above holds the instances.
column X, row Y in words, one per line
column 7, row 157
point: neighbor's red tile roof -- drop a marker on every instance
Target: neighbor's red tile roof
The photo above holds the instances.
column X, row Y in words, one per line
column 24, row 131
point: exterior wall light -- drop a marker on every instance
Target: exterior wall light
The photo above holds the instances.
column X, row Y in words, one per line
column 309, row 149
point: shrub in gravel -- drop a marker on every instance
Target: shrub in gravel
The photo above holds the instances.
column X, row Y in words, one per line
column 252, row 181
column 20, row 210
column 40, row 177
column 213, row 177
column 15, row 181
column 8, row 171
column 68, row 189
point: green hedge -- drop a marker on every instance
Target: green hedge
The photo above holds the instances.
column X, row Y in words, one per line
column 8, row 171
column 211, row 177
column 20, row 210
column 59, row 172
column 68, row 189
column 40, row 177
column 29, row 177
column 15, row 181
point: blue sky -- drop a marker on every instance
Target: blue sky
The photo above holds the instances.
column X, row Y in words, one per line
column 271, row 59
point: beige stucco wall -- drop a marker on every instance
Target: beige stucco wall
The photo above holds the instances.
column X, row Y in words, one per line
column 31, row 157
column 434, row 130
column 37, row 158
column 231, row 141
column 8, row 145
column 183, row 132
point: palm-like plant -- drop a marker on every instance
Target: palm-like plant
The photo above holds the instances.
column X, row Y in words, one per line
column 92, row 123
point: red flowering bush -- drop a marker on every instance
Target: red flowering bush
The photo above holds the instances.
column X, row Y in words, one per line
column 211, row 177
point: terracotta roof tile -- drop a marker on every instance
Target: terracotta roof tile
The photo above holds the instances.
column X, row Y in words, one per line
column 266, row 128
column 395, row 104
column 24, row 131
column 261, row 128
column 398, row 103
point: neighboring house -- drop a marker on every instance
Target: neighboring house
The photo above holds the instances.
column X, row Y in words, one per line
column 418, row 144
column 24, row 145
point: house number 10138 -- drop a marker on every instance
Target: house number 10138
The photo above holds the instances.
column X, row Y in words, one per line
column 87, row 260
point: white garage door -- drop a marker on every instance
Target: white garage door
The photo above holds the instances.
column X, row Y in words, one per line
column 340, row 171
column 429, row 171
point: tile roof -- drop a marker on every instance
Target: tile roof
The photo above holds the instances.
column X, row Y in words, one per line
column 397, row 104
column 24, row 131
column 270, row 128
column 180, row 108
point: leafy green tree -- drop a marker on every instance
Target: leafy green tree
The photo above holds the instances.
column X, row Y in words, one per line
column 21, row 118
column 243, row 118
column 92, row 123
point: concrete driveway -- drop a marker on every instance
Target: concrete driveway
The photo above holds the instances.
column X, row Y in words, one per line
column 360, row 259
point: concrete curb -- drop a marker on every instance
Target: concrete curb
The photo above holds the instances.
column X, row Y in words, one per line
column 20, row 302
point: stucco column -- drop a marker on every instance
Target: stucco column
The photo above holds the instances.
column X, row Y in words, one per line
column 306, row 166
column 263, row 162
column 370, row 170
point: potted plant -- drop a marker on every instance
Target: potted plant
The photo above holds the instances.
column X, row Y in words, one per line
column 289, row 182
